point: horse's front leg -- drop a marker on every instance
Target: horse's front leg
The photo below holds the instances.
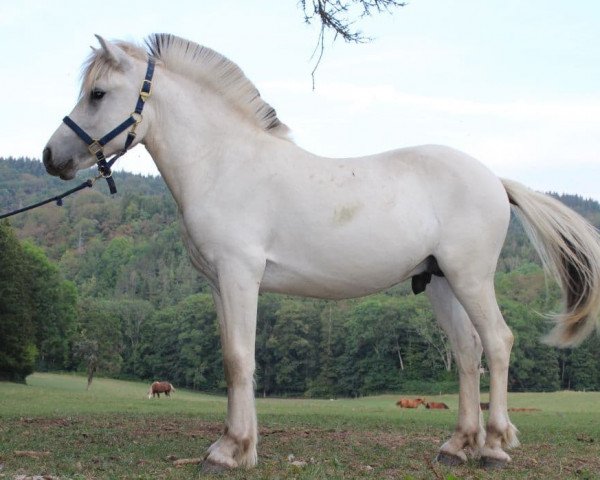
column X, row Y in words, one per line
column 236, row 300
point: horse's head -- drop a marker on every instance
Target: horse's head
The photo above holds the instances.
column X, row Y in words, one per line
column 110, row 90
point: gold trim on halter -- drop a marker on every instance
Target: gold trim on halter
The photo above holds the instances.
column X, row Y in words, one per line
column 95, row 147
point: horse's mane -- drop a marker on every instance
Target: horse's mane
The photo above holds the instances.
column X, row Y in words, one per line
column 202, row 65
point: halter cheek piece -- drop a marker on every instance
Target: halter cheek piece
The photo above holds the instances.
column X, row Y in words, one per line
column 96, row 146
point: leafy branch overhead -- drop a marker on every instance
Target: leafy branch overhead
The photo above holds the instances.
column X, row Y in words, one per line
column 340, row 16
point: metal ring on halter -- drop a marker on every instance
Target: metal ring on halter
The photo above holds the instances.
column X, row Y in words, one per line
column 104, row 174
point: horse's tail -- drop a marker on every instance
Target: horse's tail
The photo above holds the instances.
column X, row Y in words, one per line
column 569, row 248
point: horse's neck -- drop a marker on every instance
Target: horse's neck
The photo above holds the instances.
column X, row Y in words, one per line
column 194, row 134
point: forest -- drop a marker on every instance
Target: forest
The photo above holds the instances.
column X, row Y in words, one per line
column 103, row 285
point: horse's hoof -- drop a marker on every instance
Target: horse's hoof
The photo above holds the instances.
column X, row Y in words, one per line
column 449, row 459
column 491, row 463
column 212, row 468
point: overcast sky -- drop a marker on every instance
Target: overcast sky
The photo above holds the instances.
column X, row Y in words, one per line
column 514, row 83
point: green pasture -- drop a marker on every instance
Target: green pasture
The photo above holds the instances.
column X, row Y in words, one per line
column 113, row 431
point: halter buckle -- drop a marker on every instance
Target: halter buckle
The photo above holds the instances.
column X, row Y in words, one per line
column 95, row 147
column 138, row 117
column 146, row 90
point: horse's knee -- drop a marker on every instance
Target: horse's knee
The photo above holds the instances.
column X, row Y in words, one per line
column 239, row 367
column 508, row 337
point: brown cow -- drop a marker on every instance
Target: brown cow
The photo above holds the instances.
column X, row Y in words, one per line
column 409, row 402
column 485, row 405
column 436, row 405
column 160, row 387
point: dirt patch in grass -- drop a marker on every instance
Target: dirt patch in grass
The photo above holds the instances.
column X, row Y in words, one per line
column 143, row 446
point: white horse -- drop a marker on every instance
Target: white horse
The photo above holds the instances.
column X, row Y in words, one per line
column 259, row 213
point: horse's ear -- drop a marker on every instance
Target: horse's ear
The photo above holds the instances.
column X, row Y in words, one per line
column 115, row 54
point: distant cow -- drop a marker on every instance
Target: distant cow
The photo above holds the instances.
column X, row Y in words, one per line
column 436, row 405
column 485, row 405
column 409, row 402
column 160, row 387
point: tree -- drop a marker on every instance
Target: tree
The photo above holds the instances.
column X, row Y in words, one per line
column 268, row 305
column 133, row 314
column 340, row 16
column 17, row 332
column 294, row 343
column 53, row 307
column 580, row 367
column 181, row 344
column 99, row 343
column 533, row 365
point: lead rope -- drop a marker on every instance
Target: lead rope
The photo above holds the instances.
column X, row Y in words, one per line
column 89, row 183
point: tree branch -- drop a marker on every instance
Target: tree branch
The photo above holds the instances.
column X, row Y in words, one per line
column 340, row 17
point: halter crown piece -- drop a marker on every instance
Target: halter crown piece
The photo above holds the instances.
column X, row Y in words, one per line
column 96, row 146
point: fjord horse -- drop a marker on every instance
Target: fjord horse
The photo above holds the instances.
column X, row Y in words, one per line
column 261, row 214
column 436, row 406
column 409, row 402
column 160, row 387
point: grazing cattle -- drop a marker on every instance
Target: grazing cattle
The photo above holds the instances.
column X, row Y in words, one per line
column 484, row 405
column 410, row 402
column 160, row 387
column 436, row 406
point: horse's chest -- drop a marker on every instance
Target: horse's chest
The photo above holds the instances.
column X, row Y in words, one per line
column 198, row 258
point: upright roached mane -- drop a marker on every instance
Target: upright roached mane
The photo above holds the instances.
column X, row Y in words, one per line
column 259, row 213
column 202, row 64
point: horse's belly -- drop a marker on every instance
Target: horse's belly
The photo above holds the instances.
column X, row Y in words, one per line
column 327, row 287
column 344, row 277
column 343, row 253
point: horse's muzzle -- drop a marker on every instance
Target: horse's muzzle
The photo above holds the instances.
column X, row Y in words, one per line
column 65, row 170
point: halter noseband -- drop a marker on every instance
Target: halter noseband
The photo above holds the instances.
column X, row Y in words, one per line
column 96, row 147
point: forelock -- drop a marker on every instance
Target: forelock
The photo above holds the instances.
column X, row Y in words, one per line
column 99, row 65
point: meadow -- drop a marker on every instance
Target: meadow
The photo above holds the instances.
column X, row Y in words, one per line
column 53, row 427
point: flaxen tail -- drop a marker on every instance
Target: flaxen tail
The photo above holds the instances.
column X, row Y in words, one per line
column 569, row 247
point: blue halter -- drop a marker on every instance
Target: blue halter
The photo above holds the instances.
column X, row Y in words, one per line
column 96, row 147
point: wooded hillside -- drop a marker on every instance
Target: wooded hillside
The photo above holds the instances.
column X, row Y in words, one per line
column 137, row 308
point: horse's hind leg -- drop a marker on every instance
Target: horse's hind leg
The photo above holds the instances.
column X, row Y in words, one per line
column 479, row 300
column 467, row 350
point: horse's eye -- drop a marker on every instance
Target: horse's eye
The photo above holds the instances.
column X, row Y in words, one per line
column 97, row 94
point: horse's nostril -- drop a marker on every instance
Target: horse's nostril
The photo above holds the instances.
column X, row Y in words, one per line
column 47, row 156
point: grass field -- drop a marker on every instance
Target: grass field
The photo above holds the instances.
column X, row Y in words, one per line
column 54, row 427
